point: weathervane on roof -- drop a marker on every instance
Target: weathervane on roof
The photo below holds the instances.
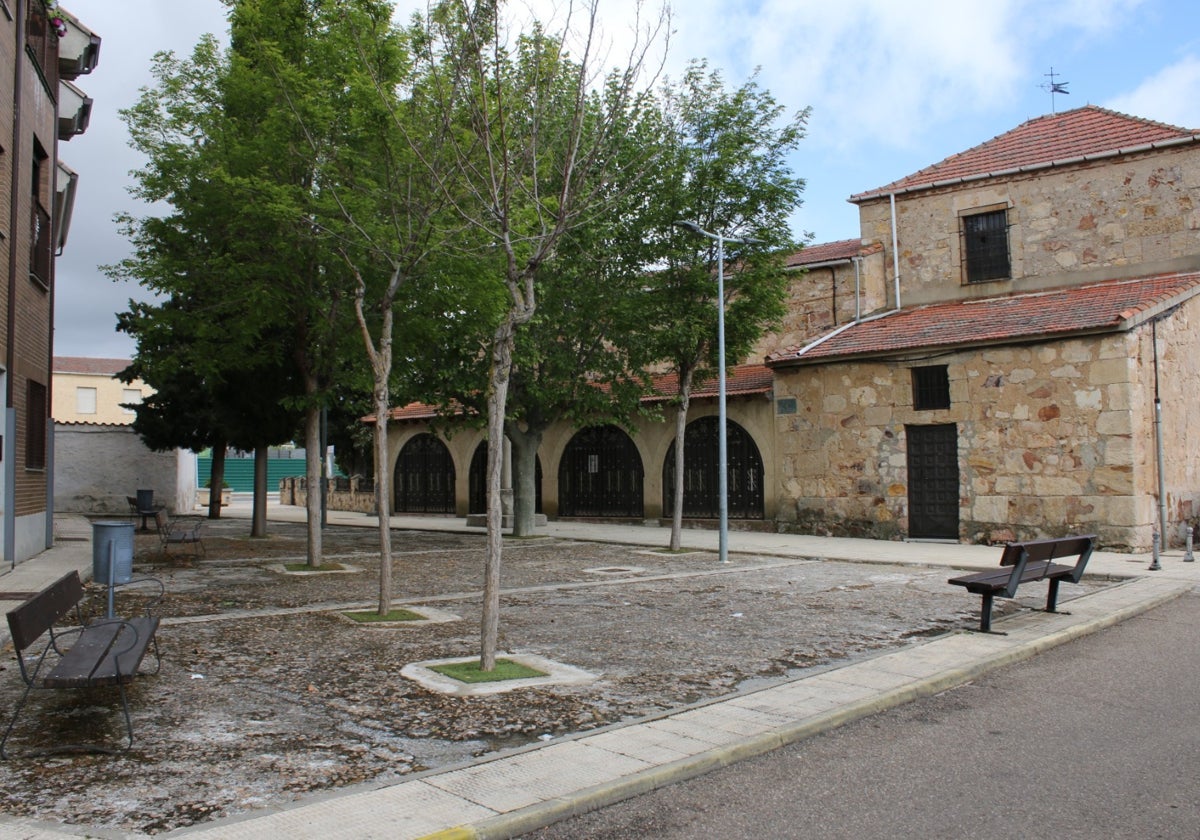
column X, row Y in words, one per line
column 1054, row 87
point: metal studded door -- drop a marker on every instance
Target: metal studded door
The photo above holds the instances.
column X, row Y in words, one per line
column 600, row 475
column 933, row 493
column 424, row 481
column 701, row 472
column 477, row 482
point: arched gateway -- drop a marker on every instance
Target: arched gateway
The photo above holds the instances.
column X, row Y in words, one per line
column 701, row 472
column 424, row 477
column 601, row 474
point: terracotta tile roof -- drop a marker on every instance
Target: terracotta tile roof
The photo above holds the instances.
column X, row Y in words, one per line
column 740, row 380
column 86, row 364
column 1103, row 307
column 843, row 249
column 1052, row 140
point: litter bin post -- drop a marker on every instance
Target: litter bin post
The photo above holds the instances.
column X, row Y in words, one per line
column 112, row 543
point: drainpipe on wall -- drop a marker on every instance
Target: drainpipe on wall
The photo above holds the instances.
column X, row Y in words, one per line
column 857, row 288
column 1158, row 444
column 895, row 249
column 9, row 469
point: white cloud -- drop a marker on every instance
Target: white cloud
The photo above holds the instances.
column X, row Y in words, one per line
column 1172, row 95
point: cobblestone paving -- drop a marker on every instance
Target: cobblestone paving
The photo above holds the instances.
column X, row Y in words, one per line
column 267, row 693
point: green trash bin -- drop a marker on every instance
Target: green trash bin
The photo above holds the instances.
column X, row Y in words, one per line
column 112, row 542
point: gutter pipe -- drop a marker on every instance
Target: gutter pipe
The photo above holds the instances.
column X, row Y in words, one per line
column 895, row 249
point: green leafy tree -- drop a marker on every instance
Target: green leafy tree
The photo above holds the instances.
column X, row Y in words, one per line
column 725, row 168
column 239, row 250
column 187, row 349
column 381, row 198
column 576, row 360
column 533, row 131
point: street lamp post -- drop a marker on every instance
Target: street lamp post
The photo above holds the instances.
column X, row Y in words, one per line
column 722, row 459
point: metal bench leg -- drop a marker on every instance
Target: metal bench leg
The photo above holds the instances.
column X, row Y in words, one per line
column 125, row 709
column 13, row 722
column 985, row 613
column 1052, row 598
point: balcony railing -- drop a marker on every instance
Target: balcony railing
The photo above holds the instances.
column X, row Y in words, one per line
column 40, row 254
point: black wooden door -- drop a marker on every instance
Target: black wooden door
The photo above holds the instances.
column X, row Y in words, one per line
column 933, row 481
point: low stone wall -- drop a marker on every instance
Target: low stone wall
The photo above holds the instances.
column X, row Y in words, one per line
column 355, row 493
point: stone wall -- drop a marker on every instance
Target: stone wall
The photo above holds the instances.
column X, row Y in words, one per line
column 355, row 493
column 1054, row 438
column 1109, row 218
column 820, row 299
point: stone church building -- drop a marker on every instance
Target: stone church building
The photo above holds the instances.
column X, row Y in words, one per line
column 1007, row 351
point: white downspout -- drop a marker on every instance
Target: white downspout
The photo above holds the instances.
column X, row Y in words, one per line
column 895, row 249
column 858, row 288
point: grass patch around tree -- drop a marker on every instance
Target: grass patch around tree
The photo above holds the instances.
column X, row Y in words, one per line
column 469, row 672
column 371, row 616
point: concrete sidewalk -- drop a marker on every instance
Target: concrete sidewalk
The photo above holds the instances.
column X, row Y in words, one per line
column 518, row 790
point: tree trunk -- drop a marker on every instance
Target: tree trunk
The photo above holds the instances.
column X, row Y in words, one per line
column 216, row 479
column 383, row 496
column 258, row 522
column 502, row 350
column 685, row 398
column 525, row 443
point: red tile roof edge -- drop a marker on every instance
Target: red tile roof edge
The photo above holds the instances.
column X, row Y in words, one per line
column 1050, row 148
column 1109, row 306
column 89, row 365
column 740, row 380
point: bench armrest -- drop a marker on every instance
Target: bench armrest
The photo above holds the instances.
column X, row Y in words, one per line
column 158, row 590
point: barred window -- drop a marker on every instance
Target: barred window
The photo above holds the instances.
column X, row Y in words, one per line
column 931, row 388
column 985, row 246
column 35, row 426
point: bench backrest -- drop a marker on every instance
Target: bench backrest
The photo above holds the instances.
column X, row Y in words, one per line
column 162, row 522
column 1035, row 553
column 1046, row 550
column 29, row 621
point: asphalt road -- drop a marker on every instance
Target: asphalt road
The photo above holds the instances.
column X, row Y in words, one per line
column 1099, row 738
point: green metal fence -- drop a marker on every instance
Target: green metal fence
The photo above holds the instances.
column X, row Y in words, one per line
column 239, row 471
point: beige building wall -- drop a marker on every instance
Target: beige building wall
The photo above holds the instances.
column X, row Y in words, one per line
column 1107, row 219
column 95, row 398
column 652, row 439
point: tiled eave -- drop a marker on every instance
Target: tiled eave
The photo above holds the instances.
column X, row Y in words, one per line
column 1109, row 307
column 1072, row 138
column 740, row 381
column 1020, row 170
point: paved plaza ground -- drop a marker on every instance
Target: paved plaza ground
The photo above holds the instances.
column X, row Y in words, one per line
column 268, row 694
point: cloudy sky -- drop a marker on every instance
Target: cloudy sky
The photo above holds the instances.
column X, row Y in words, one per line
column 893, row 86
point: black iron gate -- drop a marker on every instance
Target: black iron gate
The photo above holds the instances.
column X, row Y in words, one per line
column 701, row 472
column 477, row 482
column 933, row 493
column 601, row 475
column 424, row 477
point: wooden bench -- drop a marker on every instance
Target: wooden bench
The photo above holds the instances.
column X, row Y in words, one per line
column 1023, row 562
column 178, row 532
column 99, row 653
